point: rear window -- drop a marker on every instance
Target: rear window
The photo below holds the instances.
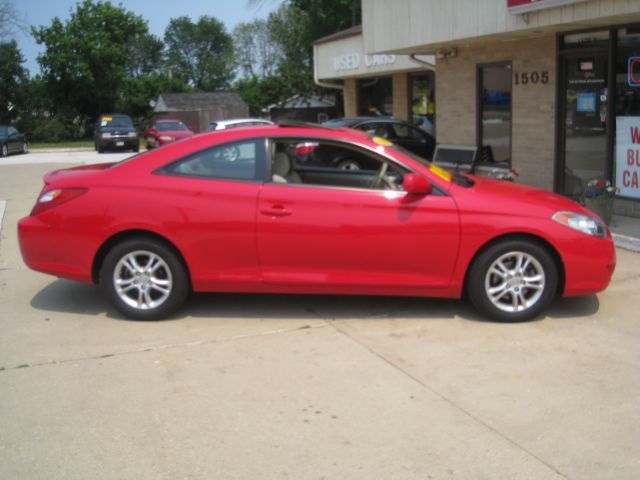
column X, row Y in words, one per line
column 171, row 126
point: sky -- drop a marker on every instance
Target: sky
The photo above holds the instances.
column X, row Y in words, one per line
column 157, row 13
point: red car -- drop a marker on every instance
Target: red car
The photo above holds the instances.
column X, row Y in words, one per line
column 165, row 131
column 239, row 211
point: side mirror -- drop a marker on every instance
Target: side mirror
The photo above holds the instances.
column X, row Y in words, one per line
column 416, row 184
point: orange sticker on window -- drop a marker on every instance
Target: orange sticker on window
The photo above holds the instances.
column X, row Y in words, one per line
column 441, row 172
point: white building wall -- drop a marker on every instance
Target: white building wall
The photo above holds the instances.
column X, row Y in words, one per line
column 403, row 26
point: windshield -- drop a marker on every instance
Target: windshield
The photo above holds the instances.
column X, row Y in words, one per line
column 116, row 122
column 455, row 177
column 3, row 130
column 171, row 126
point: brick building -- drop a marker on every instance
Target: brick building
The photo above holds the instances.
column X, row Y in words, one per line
column 552, row 86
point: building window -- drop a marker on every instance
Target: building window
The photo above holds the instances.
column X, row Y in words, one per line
column 627, row 112
column 375, row 96
column 423, row 106
column 494, row 112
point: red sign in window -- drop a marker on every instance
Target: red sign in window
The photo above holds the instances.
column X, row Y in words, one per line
column 524, row 6
column 634, row 71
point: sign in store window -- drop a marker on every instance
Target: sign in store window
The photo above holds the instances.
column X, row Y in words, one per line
column 628, row 156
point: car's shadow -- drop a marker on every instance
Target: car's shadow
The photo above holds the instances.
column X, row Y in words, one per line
column 72, row 297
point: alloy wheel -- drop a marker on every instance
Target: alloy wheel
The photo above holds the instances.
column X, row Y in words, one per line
column 142, row 280
column 515, row 282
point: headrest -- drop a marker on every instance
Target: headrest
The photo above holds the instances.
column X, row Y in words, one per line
column 281, row 164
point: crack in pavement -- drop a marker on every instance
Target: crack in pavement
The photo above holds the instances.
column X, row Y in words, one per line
column 168, row 346
column 335, row 325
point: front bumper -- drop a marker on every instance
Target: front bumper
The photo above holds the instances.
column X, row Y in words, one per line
column 118, row 143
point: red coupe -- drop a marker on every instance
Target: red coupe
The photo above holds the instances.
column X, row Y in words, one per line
column 248, row 210
column 165, row 131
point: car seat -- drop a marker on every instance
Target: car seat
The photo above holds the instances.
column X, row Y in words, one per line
column 282, row 171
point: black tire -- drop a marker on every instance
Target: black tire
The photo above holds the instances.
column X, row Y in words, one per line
column 136, row 149
column 162, row 289
column 512, row 291
column 348, row 164
column 25, row 147
column 4, row 151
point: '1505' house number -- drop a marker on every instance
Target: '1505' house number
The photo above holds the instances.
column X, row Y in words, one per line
column 529, row 78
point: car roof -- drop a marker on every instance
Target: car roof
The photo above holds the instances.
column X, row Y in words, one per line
column 231, row 121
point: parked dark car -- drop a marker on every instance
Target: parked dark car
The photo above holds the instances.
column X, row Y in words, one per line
column 115, row 132
column 401, row 133
column 12, row 141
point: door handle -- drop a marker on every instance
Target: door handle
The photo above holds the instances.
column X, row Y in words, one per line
column 276, row 211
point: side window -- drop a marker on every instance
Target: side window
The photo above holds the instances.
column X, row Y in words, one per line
column 12, row 131
column 230, row 161
column 332, row 164
column 377, row 129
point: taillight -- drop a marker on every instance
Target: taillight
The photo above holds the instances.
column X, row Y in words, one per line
column 56, row 197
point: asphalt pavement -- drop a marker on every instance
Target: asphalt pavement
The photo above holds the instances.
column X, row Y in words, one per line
column 307, row 387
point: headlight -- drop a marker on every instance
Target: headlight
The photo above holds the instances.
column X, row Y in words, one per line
column 582, row 223
column 166, row 138
column 133, row 134
column 106, row 135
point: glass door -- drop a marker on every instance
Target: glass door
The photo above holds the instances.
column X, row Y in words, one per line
column 586, row 119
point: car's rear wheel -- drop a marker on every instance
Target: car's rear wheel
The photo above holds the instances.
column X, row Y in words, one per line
column 25, row 147
column 144, row 279
column 512, row 281
column 5, row 151
column 348, row 164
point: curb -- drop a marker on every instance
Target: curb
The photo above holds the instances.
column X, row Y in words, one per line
column 55, row 150
column 627, row 243
column 3, row 206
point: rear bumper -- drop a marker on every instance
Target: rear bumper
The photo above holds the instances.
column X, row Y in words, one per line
column 47, row 249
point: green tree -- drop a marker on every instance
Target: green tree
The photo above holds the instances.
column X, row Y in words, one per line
column 140, row 90
column 12, row 79
column 145, row 55
column 255, row 53
column 260, row 92
column 200, row 54
column 10, row 22
column 85, row 60
column 295, row 26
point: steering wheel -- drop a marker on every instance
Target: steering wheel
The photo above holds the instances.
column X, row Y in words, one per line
column 379, row 177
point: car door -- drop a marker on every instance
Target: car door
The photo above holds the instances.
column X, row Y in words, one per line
column 331, row 228
column 14, row 142
column 215, row 192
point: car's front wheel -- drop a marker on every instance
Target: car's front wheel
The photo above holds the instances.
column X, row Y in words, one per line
column 513, row 280
column 144, row 279
column 5, row 151
column 25, row 147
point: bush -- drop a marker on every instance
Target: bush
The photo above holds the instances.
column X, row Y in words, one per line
column 53, row 129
